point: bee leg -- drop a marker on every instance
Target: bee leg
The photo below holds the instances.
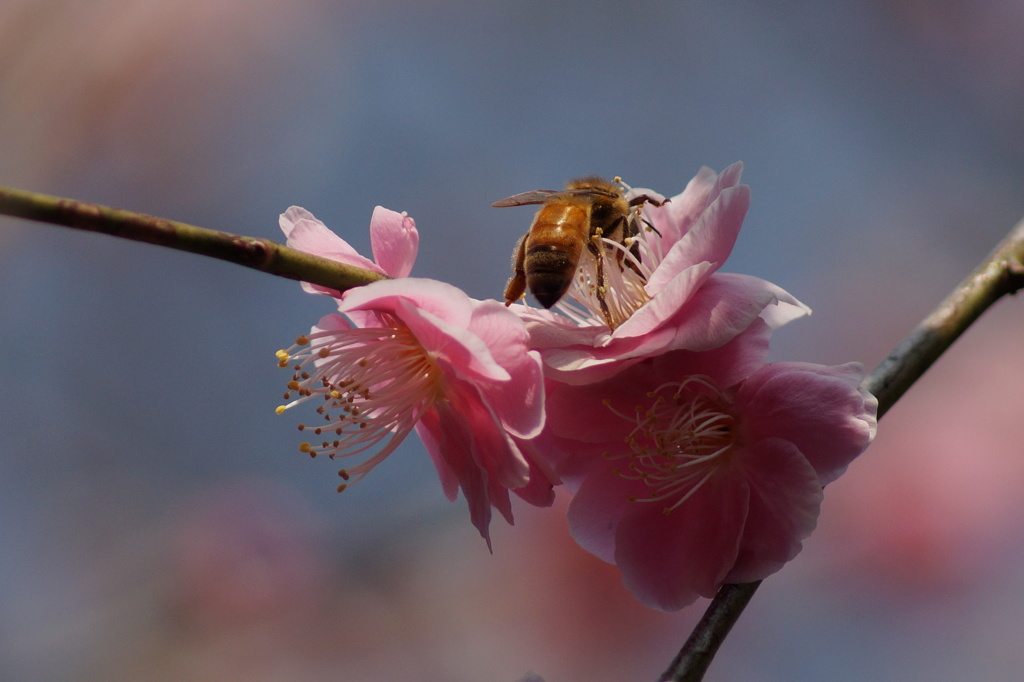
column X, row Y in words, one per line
column 629, row 230
column 597, row 248
column 619, row 232
column 516, row 286
column 647, row 199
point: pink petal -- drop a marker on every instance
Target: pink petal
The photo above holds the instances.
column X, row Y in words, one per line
column 730, row 177
column 292, row 216
column 672, row 294
column 550, row 330
column 492, row 448
column 820, row 409
column 428, row 428
column 453, row 442
column 331, row 321
column 784, row 307
column 367, row 318
column 596, row 510
column 519, row 402
column 307, row 234
column 501, row 330
column 586, row 365
column 677, row 216
column 540, row 491
column 668, row 561
column 463, row 352
column 711, row 239
column 587, row 413
column 718, row 311
column 726, row 365
column 560, row 458
column 438, row 315
column 438, row 298
column 785, row 498
column 500, row 500
column 591, row 413
column 394, row 240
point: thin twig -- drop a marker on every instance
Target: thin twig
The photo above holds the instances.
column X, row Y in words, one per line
column 1000, row 274
column 694, row 658
column 259, row 254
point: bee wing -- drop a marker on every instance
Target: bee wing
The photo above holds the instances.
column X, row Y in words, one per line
column 600, row 191
column 537, row 196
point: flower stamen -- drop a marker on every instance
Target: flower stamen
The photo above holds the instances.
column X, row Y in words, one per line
column 374, row 384
column 681, row 438
column 608, row 286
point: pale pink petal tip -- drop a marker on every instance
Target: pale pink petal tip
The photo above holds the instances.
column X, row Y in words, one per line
column 394, row 240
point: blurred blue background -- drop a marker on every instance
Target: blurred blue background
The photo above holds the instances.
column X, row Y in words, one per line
column 156, row 518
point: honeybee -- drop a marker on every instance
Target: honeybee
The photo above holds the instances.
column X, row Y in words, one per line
column 587, row 210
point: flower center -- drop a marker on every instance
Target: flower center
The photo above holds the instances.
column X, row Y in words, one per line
column 680, row 440
column 609, row 287
column 373, row 385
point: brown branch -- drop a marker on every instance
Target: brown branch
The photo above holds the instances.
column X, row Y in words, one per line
column 260, row 254
column 1000, row 274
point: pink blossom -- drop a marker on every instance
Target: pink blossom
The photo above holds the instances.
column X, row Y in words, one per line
column 393, row 239
column 671, row 298
column 416, row 354
column 699, row 468
column 420, row 354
